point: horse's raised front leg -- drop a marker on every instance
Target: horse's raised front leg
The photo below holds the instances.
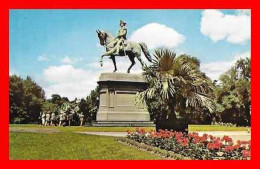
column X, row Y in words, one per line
column 109, row 53
column 114, row 61
column 101, row 60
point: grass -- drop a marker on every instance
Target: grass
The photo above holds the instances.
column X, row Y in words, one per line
column 123, row 129
column 215, row 128
column 68, row 146
column 81, row 128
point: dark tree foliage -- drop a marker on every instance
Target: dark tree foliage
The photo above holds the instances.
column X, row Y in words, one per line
column 91, row 104
column 55, row 98
column 26, row 99
column 51, row 107
column 233, row 94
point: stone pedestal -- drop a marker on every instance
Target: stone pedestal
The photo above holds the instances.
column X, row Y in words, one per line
column 117, row 101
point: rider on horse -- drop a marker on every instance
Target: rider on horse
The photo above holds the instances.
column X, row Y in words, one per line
column 118, row 47
column 121, row 37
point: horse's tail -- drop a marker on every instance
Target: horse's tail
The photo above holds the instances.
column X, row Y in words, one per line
column 146, row 52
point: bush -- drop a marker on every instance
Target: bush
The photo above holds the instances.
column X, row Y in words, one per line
column 194, row 146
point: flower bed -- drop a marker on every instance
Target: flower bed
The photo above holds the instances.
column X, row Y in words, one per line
column 152, row 149
column 194, row 146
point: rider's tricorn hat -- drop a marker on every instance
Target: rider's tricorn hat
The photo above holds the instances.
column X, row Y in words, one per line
column 122, row 22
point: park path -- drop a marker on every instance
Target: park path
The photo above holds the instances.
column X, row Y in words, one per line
column 235, row 135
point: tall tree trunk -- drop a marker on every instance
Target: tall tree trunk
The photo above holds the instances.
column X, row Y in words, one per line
column 169, row 120
column 248, row 113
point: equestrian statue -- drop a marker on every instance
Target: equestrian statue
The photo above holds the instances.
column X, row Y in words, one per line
column 119, row 46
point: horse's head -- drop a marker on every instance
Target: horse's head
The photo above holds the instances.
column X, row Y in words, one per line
column 102, row 37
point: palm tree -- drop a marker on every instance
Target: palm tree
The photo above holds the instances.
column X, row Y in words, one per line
column 175, row 83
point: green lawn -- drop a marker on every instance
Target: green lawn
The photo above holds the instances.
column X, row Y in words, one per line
column 123, row 129
column 67, row 145
column 81, row 129
column 63, row 143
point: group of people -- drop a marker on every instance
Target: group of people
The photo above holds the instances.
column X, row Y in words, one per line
column 66, row 115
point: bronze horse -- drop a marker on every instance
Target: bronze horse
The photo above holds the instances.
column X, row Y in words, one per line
column 131, row 49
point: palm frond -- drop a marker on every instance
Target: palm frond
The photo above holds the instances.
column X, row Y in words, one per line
column 170, row 77
column 198, row 100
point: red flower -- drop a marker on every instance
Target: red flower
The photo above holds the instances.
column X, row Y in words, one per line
column 210, row 146
column 142, row 131
column 196, row 139
column 246, row 153
column 204, row 138
column 137, row 129
column 211, row 137
column 205, row 135
column 237, row 146
column 179, row 140
column 215, row 145
column 178, row 135
column 228, row 148
column 227, row 139
column 184, row 142
column 128, row 131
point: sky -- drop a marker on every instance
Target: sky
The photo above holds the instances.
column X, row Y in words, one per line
column 60, row 49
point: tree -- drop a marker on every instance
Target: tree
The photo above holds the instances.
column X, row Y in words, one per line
column 16, row 93
column 175, row 83
column 26, row 99
column 91, row 105
column 55, row 98
column 49, row 106
column 233, row 94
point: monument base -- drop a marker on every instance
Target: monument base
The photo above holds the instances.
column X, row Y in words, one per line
column 117, row 105
column 124, row 124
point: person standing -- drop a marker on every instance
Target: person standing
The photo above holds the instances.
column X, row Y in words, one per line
column 53, row 118
column 81, row 118
column 40, row 119
column 43, row 118
column 47, row 121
